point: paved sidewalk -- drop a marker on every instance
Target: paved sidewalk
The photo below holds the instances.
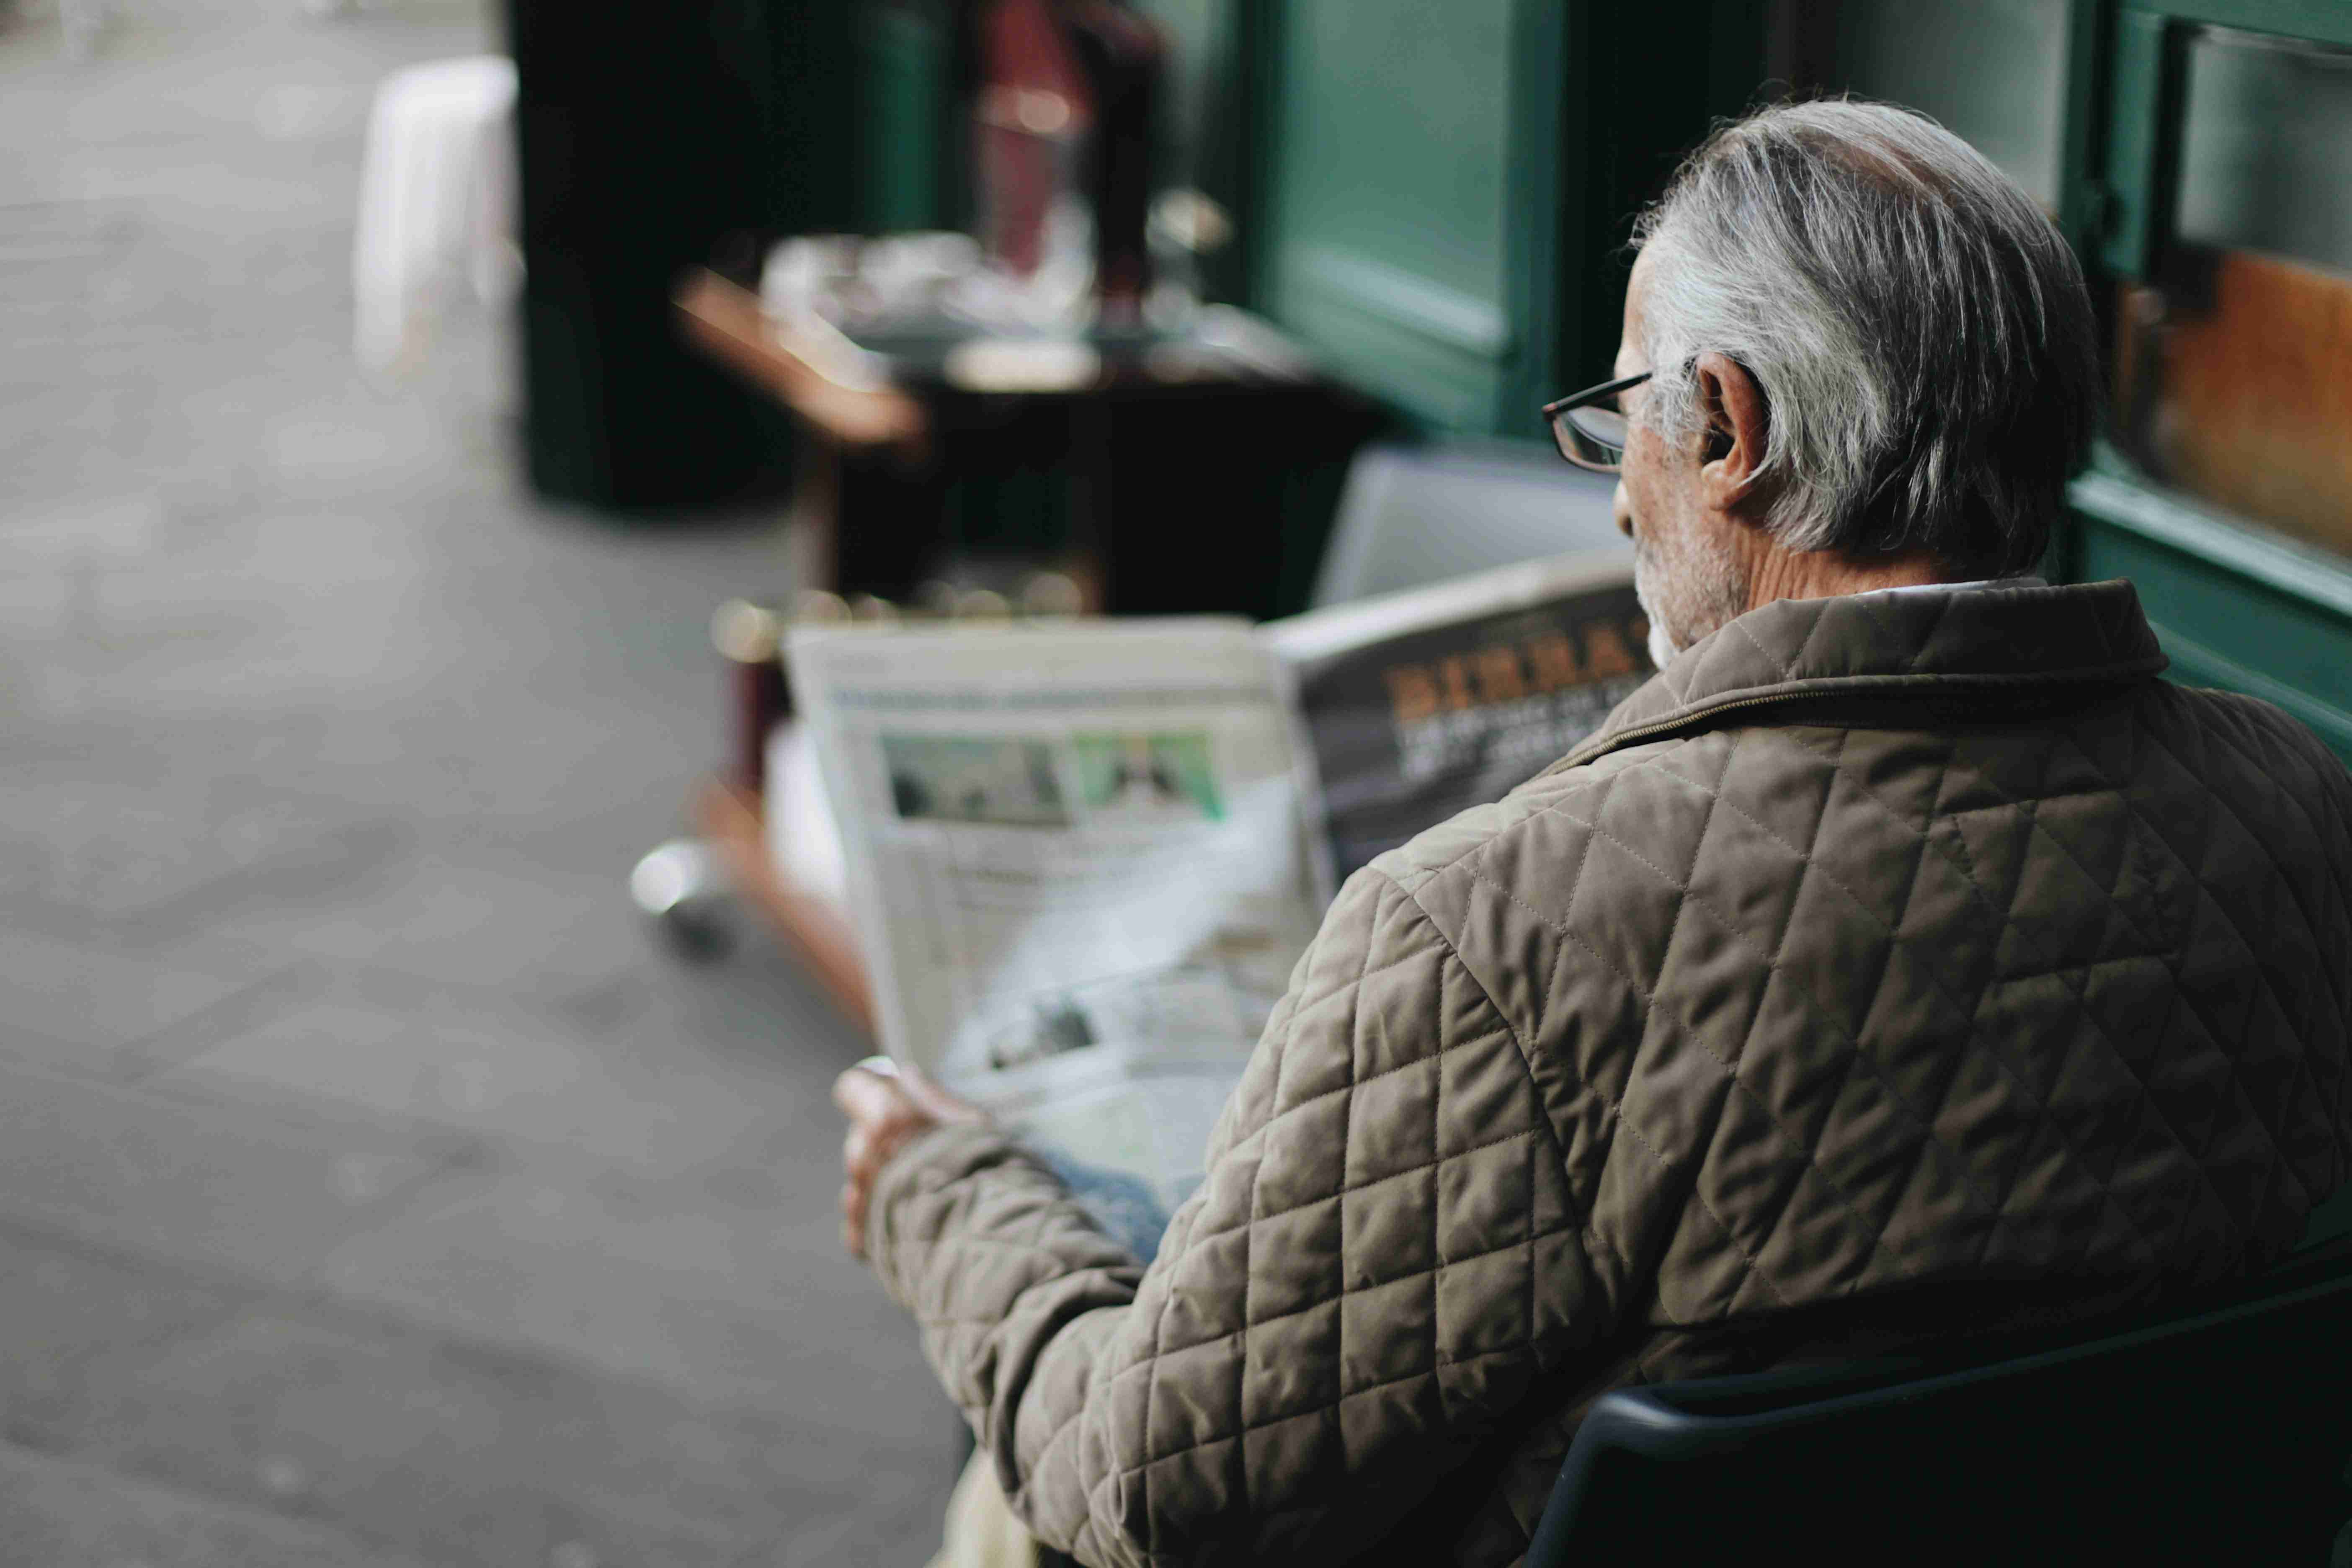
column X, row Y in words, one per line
column 371, row 1192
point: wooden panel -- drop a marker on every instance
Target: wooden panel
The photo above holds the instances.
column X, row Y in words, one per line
column 2236, row 389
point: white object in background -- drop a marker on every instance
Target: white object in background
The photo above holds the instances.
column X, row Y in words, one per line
column 1411, row 515
column 436, row 199
column 83, row 22
column 804, row 838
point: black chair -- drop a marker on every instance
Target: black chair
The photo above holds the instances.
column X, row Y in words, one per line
column 2218, row 1435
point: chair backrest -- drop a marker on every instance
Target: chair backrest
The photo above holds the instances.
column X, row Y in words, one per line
column 2217, row 1438
column 1413, row 515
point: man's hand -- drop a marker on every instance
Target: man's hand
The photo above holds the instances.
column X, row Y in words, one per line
column 889, row 1107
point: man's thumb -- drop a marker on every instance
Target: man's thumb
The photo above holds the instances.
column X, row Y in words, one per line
column 862, row 1093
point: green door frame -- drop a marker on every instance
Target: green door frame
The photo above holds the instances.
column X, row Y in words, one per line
column 1601, row 103
column 2236, row 604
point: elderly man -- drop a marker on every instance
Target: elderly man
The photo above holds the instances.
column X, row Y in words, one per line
column 1905, row 961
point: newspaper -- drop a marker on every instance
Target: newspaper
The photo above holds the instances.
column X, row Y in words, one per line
column 1075, row 862
column 1417, row 706
column 1083, row 859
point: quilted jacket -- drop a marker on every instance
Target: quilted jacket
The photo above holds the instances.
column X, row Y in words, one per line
column 1888, row 966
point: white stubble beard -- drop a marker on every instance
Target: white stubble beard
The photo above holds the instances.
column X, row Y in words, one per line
column 1713, row 589
column 1662, row 646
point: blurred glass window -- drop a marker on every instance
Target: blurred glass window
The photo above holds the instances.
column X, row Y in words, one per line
column 1991, row 71
column 2233, row 374
column 2266, row 148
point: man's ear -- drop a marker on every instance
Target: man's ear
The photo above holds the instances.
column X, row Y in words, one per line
column 1739, row 425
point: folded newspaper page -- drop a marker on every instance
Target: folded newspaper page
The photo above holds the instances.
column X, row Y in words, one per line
column 1084, row 858
column 1417, row 706
column 1075, row 858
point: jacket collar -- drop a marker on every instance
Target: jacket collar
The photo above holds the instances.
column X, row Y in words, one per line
column 2026, row 642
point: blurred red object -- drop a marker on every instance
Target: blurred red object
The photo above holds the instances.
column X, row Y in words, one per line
column 1033, row 112
column 1068, row 94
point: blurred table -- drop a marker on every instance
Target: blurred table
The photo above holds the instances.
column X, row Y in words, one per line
column 1168, row 472
column 726, row 319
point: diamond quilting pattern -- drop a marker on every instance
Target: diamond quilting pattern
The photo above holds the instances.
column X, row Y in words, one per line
column 1732, row 1018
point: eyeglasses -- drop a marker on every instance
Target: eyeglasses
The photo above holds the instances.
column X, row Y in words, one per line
column 1588, row 435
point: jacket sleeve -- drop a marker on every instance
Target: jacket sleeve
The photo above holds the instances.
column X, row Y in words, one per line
column 1383, row 1256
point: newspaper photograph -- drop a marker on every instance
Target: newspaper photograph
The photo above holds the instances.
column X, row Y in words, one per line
column 1075, row 858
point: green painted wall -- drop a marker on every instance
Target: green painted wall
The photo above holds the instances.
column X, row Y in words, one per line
column 903, row 60
column 1388, row 145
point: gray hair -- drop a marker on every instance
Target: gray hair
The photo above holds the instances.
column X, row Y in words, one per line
column 1920, row 329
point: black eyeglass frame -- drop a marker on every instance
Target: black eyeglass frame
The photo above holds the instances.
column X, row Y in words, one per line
column 1566, row 431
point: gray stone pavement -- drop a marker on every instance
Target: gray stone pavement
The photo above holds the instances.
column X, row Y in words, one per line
column 371, row 1191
